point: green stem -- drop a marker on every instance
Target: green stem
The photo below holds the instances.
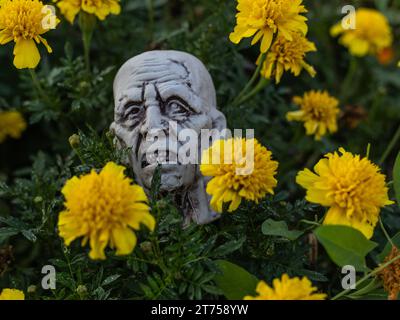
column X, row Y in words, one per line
column 375, row 107
column 348, row 80
column 69, row 265
column 314, row 223
column 386, row 233
column 390, row 146
column 368, row 150
column 366, row 277
column 38, row 86
column 86, row 47
column 87, row 23
column 261, row 85
column 252, row 80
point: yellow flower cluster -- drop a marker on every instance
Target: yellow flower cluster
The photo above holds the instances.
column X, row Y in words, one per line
column 265, row 19
column 24, row 22
column 318, row 111
column 288, row 55
column 104, row 208
column 100, row 8
column 241, row 169
column 12, row 124
column 11, row 294
column 287, row 289
column 352, row 187
column 371, row 35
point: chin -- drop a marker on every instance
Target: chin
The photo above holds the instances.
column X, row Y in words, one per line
column 173, row 177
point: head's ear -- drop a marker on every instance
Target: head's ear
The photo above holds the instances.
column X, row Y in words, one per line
column 218, row 119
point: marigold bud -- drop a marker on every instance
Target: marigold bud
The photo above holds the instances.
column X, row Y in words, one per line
column 31, row 289
column 146, row 246
column 74, row 141
column 81, row 290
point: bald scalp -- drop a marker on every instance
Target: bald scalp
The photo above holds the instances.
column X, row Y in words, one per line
column 166, row 67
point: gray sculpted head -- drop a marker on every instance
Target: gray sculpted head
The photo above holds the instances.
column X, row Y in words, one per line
column 151, row 91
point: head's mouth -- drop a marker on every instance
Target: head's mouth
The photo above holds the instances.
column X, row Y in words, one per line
column 162, row 157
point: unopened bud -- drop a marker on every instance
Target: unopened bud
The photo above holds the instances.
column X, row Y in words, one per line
column 81, row 290
column 110, row 135
column 84, row 85
column 38, row 199
column 162, row 204
column 146, row 246
column 31, row 289
column 74, row 141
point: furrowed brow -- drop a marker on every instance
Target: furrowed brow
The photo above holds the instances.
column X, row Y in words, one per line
column 181, row 91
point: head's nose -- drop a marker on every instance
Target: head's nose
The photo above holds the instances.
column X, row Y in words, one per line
column 153, row 116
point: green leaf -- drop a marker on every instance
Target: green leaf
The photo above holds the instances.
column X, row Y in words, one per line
column 280, row 229
column 235, row 282
column 345, row 245
column 396, row 178
column 29, row 235
column 388, row 247
column 212, row 290
column 155, row 184
column 6, row 233
column 367, row 288
column 229, row 247
column 110, row 279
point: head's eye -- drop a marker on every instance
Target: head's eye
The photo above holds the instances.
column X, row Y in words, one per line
column 133, row 112
column 177, row 108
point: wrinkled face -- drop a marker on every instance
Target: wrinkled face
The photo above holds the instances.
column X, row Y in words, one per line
column 151, row 94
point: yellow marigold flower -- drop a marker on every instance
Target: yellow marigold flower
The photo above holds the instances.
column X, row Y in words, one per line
column 100, row 8
column 318, row 111
column 104, row 208
column 263, row 18
column 372, row 33
column 24, row 22
column 12, row 294
column 288, row 55
column 241, row 169
column 352, row 187
column 11, row 124
column 287, row 289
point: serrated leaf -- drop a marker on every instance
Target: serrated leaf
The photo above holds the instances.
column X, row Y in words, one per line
column 212, row 290
column 313, row 275
column 146, row 290
column 58, row 263
column 279, row 229
column 345, row 245
column 229, row 247
column 6, row 233
column 110, row 279
column 28, row 234
column 153, row 284
column 235, row 282
column 182, row 287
